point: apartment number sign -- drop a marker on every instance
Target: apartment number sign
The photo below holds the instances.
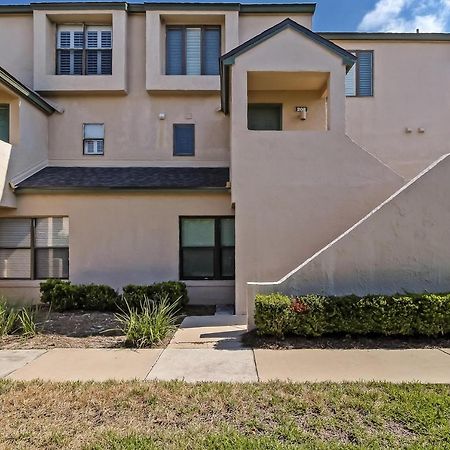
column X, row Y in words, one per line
column 300, row 109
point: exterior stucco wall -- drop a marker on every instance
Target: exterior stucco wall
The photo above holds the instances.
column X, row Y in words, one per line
column 295, row 191
column 401, row 246
column 118, row 239
column 28, row 148
column 410, row 80
column 133, row 133
column 16, row 49
column 316, row 117
column 252, row 24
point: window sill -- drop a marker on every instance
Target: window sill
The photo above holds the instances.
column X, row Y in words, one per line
column 209, row 83
column 19, row 283
column 209, row 283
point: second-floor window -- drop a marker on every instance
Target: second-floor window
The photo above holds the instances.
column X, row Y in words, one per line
column 84, row 50
column 192, row 50
column 359, row 80
column 93, row 138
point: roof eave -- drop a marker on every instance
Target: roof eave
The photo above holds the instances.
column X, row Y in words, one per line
column 38, row 190
column 26, row 93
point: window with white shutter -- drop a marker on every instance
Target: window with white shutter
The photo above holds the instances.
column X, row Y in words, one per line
column 84, row 50
column 93, row 138
column 359, row 79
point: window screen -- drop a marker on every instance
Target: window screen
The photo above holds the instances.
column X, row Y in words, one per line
column 184, row 140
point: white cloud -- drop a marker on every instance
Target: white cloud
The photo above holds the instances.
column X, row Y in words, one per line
column 407, row 16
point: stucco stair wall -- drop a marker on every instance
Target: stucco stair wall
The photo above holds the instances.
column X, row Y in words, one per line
column 295, row 192
column 402, row 245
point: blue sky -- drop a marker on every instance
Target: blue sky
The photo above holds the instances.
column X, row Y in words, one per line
column 363, row 15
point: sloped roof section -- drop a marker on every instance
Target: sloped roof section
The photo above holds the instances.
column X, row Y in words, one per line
column 25, row 92
column 126, row 178
column 229, row 58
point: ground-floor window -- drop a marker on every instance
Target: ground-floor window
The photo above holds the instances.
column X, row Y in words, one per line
column 34, row 248
column 207, row 248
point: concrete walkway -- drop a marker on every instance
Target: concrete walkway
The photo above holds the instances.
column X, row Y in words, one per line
column 209, row 349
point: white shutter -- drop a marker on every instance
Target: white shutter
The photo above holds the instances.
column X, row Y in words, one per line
column 99, row 50
column 193, row 51
column 70, row 49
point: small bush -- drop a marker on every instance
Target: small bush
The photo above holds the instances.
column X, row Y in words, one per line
column 175, row 291
column 98, row 297
column 150, row 323
column 64, row 296
column 313, row 315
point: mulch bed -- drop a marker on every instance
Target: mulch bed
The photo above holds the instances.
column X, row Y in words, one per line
column 343, row 342
column 71, row 329
column 81, row 329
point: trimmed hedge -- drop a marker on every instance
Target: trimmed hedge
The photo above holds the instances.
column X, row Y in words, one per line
column 176, row 292
column 63, row 295
column 315, row 315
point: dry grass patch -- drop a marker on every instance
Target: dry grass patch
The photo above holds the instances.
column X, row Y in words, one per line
column 175, row 415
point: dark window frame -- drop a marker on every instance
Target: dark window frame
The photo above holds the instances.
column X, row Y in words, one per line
column 8, row 107
column 262, row 105
column 217, row 249
column 183, row 125
column 357, row 74
column 183, row 28
column 33, row 248
column 84, row 52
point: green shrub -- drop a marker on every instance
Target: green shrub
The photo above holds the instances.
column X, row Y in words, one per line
column 98, row 297
column 175, row 291
column 63, row 295
column 149, row 323
column 313, row 315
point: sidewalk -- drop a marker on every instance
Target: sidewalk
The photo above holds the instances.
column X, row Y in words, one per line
column 209, row 349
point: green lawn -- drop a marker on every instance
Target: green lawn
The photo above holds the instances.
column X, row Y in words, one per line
column 138, row 415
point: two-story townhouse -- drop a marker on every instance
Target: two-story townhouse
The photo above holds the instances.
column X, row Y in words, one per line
column 219, row 144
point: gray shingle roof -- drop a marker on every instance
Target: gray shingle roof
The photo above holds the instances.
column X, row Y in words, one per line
column 54, row 178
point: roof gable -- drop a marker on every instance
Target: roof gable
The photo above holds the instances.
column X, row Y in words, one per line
column 229, row 58
column 25, row 92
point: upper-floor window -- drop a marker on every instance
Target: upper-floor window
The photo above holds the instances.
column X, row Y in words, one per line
column 84, row 50
column 4, row 123
column 93, row 138
column 192, row 50
column 359, row 80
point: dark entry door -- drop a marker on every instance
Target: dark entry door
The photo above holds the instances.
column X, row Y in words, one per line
column 264, row 116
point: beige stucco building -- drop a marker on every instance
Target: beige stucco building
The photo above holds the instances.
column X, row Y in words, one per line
column 223, row 144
